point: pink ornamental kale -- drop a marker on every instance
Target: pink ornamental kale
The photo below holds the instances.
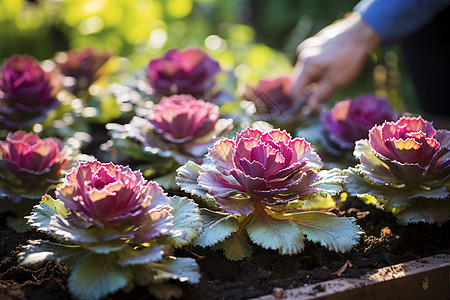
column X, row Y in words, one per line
column 83, row 65
column 405, row 166
column 272, row 100
column 115, row 228
column 29, row 168
column 27, row 92
column 180, row 126
column 189, row 71
column 116, row 199
column 350, row 120
column 266, row 183
column 260, row 169
column 29, row 165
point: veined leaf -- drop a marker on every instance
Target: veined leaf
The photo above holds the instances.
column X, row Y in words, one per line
column 335, row 233
column 217, row 227
column 433, row 193
column 282, row 235
column 236, row 247
column 182, row 269
column 187, row 176
column 358, row 186
column 167, row 181
column 60, row 228
column 106, row 247
column 95, row 276
column 425, row 210
column 40, row 216
column 39, row 250
column 330, row 181
column 187, row 222
column 131, row 256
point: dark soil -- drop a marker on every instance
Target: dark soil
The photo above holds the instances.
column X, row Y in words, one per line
column 385, row 243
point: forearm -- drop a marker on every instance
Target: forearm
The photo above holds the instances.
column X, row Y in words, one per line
column 332, row 58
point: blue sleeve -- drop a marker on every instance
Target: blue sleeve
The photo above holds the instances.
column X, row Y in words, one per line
column 394, row 20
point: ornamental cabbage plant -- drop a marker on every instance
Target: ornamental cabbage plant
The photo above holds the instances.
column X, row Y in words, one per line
column 83, row 66
column 27, row 92
column 114, row 229
column 351, row 119
column 267, row 188
column 273, row 102
column 179, row 127
column 189, row 71
column 404, row 168
column 29, row 168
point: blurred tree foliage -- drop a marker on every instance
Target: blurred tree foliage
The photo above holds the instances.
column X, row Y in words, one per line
column 255, row 38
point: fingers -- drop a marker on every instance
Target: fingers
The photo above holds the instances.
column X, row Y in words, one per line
column 310, row 79
column 325, row 90
column 305, row 73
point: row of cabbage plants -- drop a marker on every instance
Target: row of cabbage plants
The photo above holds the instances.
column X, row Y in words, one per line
column 120, row 171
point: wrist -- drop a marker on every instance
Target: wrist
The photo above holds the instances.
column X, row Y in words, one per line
column 365, row 35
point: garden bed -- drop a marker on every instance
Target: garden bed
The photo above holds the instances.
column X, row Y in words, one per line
column 384, row 243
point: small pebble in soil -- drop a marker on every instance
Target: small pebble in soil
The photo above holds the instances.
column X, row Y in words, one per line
column 278, row 293
column 385, row 231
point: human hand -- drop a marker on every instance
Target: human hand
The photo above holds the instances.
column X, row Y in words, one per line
column 332, row 59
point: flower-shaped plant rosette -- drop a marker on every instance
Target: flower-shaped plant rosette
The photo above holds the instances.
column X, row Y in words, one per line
column 336, row 131
column 88, row 75
column 404, row 168
column 27, row 92
column 115, row 230
column 29, row 168
column 180, row 128
column 266, row 188
column 270, row 101
column 350, row 120
column 83, row 67
column 189, row 71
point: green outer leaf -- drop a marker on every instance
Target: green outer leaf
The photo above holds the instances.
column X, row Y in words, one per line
column 106, row 247
column 236, row 247
column 180, row 268
column 357, row 185
column 440, row 193
column 318, row 201
column 187, row 222
column 372, row 167
column 41, row 214
column 143, row 274
column 282, row 235
column 60, row 228
column 337, row 234
column 167, row 181
column 39, row 250
column 217, row 227
column 131, row 256
column 56, row 205
column 129, row 146
column 330, row 181
column 95, row 276
column 425, row 210
column 187, row 176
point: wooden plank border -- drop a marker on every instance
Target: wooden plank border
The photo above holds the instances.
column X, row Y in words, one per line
column 426, row 278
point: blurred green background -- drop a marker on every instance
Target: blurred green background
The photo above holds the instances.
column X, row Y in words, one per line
column 254, row 38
